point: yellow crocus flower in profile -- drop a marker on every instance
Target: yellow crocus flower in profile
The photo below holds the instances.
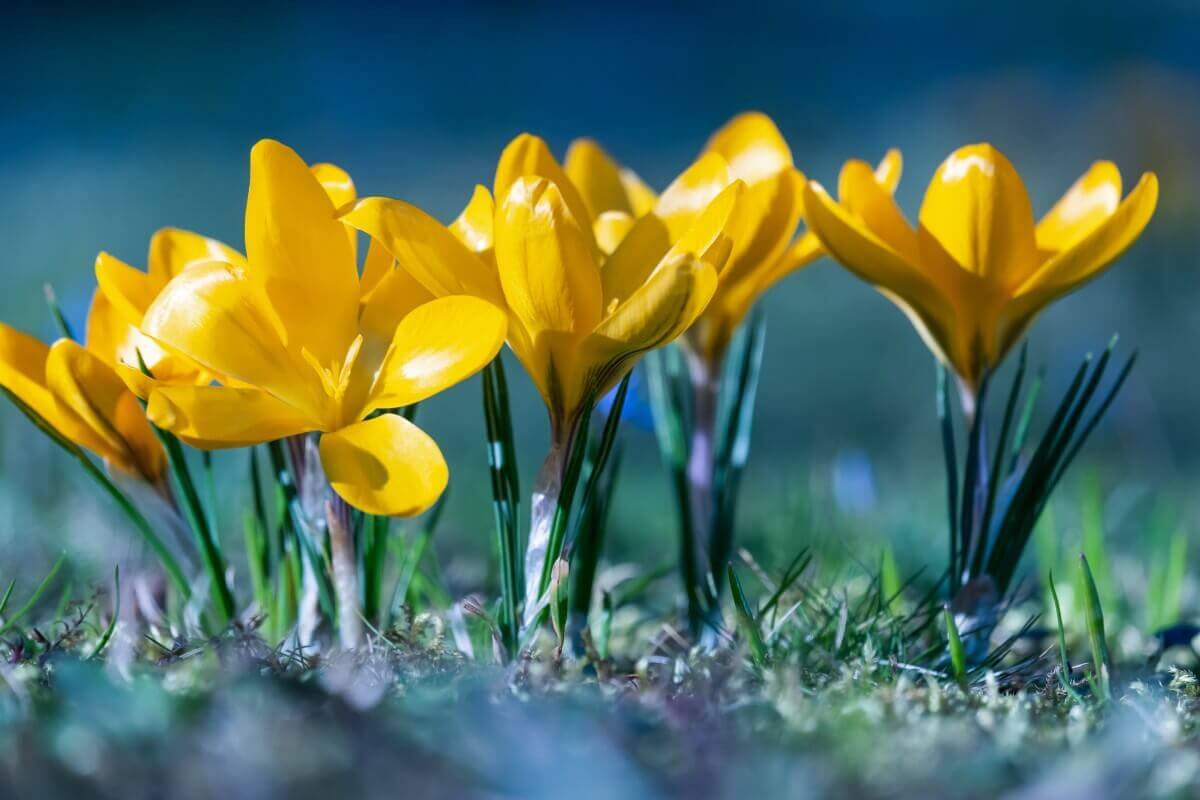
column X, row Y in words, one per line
column 77, row 393
column 578, row 319
column 305, row 352
column 589, row 286
column 976, row 270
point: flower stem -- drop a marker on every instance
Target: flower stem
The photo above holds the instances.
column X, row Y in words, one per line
column 345, row 573
column 701, row 470
column 540, row 549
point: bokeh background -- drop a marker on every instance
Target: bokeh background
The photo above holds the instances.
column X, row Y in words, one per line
column 118, row 121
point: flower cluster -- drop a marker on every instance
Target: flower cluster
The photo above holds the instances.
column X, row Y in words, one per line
column 580, row 267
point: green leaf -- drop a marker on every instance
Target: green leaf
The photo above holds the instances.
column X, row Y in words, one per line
column 116, row 615
column 958, row 655
column 33, row 598
column 1101, row 663
column 746, row 622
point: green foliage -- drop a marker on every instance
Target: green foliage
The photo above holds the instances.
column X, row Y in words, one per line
column 1097, row 639
column 673, row 396
column 992, row 514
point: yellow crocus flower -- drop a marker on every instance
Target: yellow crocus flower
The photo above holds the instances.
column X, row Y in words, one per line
column 977, row 269
column 578, row 319
column 79, row 395
column 124, row 293
column 589, row 288
column 290, row 326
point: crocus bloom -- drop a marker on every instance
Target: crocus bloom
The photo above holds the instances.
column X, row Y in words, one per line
column 79, row 395
column 124, row 294
column 977, row 269
column 589, row 286
column 289, row 329
column 579, row 319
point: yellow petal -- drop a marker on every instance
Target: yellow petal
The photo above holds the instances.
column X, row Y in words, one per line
column 715, row 222
column 862, row 195
column 649, row 242
column 173, row 250
column 871, row 259
column 550, row 277
column 299, row 252
column 1090, row 200
column 656, row 314
column 662, row 308
column 610, row 229
column 763, row 224
column 129, row 290
column 1104, row 244
column 396, row 294
column 437, row 345
column 340, row 188
column 216, row 417
column 385, row 466
column 597, row 177
column 219, row 318
column 23, row 372
column 378, row 264
column 474, row 226
column 108, row 333
column 641, row 197
column 527, row 156
column 426, row 248
column 753, row 147
column 92, row 390
column 887, row 173
column 691, row 192
column 977, row 210
column 336, row 182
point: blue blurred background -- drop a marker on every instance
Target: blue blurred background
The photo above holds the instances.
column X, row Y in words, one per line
column 116, row 122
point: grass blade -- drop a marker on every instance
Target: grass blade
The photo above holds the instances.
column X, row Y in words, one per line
column 33, row 598
column 1101, row 663
column 116, row 614
column 746, row 623
column 958, row 655
column 1064, row 674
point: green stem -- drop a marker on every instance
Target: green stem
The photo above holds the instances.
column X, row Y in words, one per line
column 214, row 564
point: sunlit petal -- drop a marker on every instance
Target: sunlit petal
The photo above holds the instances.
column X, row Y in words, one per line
column 1099, row 248
column 753, row 147
column 977, row 209
column 1090, row 200
column 544, row 256
column 887, row 173
column 475, row 226
column 610, row 229
column 865, row 255
column 129, row 290
column 597, row 177
column 340, row 188
column 299, row 252
column 92, row 390
column 173, row 250
column 691, row 192
column 215, row 315
column 435, row 346
column 385, row 466
column 528, row 156
column 425, row 248
column 216, row 417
